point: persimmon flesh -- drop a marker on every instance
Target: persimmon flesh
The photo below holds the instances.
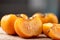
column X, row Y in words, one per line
column 28, row 28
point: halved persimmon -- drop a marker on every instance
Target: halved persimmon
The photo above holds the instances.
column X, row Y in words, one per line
column 7, row 23
column 46, row 27
column 28, row 28
column 52, row 30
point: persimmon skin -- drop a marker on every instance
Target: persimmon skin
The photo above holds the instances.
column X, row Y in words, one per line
column 7, row 23
column 46, row 18
column 51, row 17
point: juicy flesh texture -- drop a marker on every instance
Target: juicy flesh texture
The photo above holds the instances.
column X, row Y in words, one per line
column 29, row 27
column 52, row 30
column 56, row 31
column 36, row 25
column 46, row 27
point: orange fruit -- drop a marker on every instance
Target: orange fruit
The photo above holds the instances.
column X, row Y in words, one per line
column 52, row 30
column 7, row 23
column 28, row 28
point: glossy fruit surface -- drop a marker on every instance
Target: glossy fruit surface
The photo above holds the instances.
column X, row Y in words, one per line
column 7, row 23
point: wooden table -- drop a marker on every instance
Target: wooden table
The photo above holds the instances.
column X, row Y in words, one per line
column 4, row 36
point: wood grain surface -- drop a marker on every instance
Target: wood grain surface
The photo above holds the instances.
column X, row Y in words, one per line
column 4, row 36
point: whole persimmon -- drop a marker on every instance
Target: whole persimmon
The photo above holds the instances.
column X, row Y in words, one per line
column 51, row 17
column 46, row 18
column 7, row 23
column 52, row 30
column 28, row 28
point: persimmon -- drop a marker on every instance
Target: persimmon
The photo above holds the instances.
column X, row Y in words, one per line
column 51, row 17
column 52, row 30
column 40, row 15
column 7, row 23
column 46, row 18
column 28, row 28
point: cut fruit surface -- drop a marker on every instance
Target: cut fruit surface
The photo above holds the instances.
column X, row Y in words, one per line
column 21, row 27
column 52, row 30
column 46, row 27
column 7, row 23
column 36, row 25
column 55, row 32
column 28, row 28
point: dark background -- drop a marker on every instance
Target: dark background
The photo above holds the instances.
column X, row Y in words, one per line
column 23, row 6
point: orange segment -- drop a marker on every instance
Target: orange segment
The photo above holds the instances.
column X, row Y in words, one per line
column 7, row 23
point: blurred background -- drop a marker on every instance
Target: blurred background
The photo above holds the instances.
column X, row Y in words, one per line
column 29, row 7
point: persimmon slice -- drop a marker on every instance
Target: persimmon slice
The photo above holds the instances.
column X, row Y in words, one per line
column 46, row 27
column 36, row 25
column 7, row 23
column 52, row 30
column 55, row 32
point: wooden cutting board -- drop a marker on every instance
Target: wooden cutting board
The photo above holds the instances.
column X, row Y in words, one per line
column 4, row 36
